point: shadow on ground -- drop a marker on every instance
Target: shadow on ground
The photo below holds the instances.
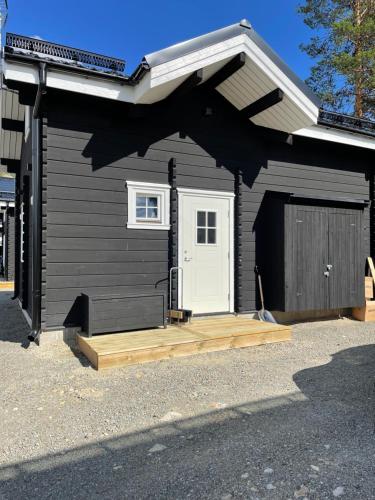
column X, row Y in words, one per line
column 316, row 441
column 14, row 327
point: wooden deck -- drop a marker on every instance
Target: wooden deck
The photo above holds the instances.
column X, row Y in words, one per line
column 6, row 286
column 199, row 336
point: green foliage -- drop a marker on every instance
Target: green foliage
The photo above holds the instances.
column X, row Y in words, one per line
column 344, row 49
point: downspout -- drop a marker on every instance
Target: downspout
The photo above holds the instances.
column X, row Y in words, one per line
column 37, row 206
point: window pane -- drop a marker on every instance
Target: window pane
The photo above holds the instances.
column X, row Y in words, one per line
column 152, row 202
column 152, row 213
column 201, row 235
column 211, row 219
column 211, row 236
column 141, row 213
column 141, row 201
column 201, row 219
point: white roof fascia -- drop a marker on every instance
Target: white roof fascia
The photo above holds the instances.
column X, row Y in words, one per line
column 338, row 136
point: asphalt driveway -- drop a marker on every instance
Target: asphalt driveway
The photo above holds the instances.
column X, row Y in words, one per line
column 292, row 420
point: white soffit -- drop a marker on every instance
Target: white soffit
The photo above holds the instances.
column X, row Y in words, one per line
column 11, row 109
column 10, row 106
column 339, row 136
column 259, row 76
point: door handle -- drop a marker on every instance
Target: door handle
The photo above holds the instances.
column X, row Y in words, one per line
column 326, row 274
column 329, row 267
column 187, row 259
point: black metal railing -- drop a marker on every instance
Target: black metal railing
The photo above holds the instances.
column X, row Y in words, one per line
column 61, row 51
column 347, row 122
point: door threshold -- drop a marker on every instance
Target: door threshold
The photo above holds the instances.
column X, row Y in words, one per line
column 210, row 315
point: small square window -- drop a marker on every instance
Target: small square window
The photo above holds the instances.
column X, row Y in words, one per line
column 206, row 227
column 148, row 205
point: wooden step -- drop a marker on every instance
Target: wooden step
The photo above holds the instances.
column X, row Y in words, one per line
column 6, row 285
column 204, row 335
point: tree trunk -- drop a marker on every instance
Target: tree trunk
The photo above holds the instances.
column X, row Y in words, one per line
column 358, row 107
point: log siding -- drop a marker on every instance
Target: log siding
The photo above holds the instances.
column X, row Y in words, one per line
column 93, row 147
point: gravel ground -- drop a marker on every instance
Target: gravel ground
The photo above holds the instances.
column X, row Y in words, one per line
column 292, row 420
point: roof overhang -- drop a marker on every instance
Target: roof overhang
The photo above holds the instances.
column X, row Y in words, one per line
column 262, row 73
column 331, row 134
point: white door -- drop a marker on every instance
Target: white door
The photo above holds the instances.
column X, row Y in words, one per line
column 205, row 251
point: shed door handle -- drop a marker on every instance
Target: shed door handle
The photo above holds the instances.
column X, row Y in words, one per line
column 329, row 267
column 326, row 274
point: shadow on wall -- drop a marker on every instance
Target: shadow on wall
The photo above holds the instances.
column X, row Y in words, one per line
column 330, row 423
column 221, row 134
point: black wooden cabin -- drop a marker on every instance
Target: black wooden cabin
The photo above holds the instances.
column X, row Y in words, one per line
column 212, row 157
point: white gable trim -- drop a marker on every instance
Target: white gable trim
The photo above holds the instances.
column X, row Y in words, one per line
column 185, row 65
column 338, row 136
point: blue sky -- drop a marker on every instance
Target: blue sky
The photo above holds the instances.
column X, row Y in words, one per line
column 130, row 29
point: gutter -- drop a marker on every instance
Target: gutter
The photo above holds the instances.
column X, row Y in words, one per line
column 139, row 72
column 131, row 80
column 345, row 128
column 37, row 206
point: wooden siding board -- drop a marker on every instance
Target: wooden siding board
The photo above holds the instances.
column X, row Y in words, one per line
column 134, row 279
column 104, row 244
column 77, row 256
column 69, row 294
column 83, row 219
column 87, row 207
column 107, row 269
column 134, row 167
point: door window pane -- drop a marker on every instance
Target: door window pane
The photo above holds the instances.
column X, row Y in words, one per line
column 201, row 235
column 201, row 219
column 211, row 236
column 211, row 216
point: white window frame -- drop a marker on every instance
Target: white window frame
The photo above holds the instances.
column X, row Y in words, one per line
column 162, row 191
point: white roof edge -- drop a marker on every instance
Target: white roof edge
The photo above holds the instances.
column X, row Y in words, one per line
column 101, row 87
column 335, row 135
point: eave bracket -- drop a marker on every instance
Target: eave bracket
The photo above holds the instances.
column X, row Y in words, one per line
column 265, row 102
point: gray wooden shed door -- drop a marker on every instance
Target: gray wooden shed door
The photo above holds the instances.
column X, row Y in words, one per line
column 324, row 268
column 308, row 254
column 346, row 257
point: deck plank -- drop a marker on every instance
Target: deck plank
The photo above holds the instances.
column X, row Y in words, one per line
column 202, row 335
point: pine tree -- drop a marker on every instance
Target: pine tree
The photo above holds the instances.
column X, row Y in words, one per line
column 344, row 48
